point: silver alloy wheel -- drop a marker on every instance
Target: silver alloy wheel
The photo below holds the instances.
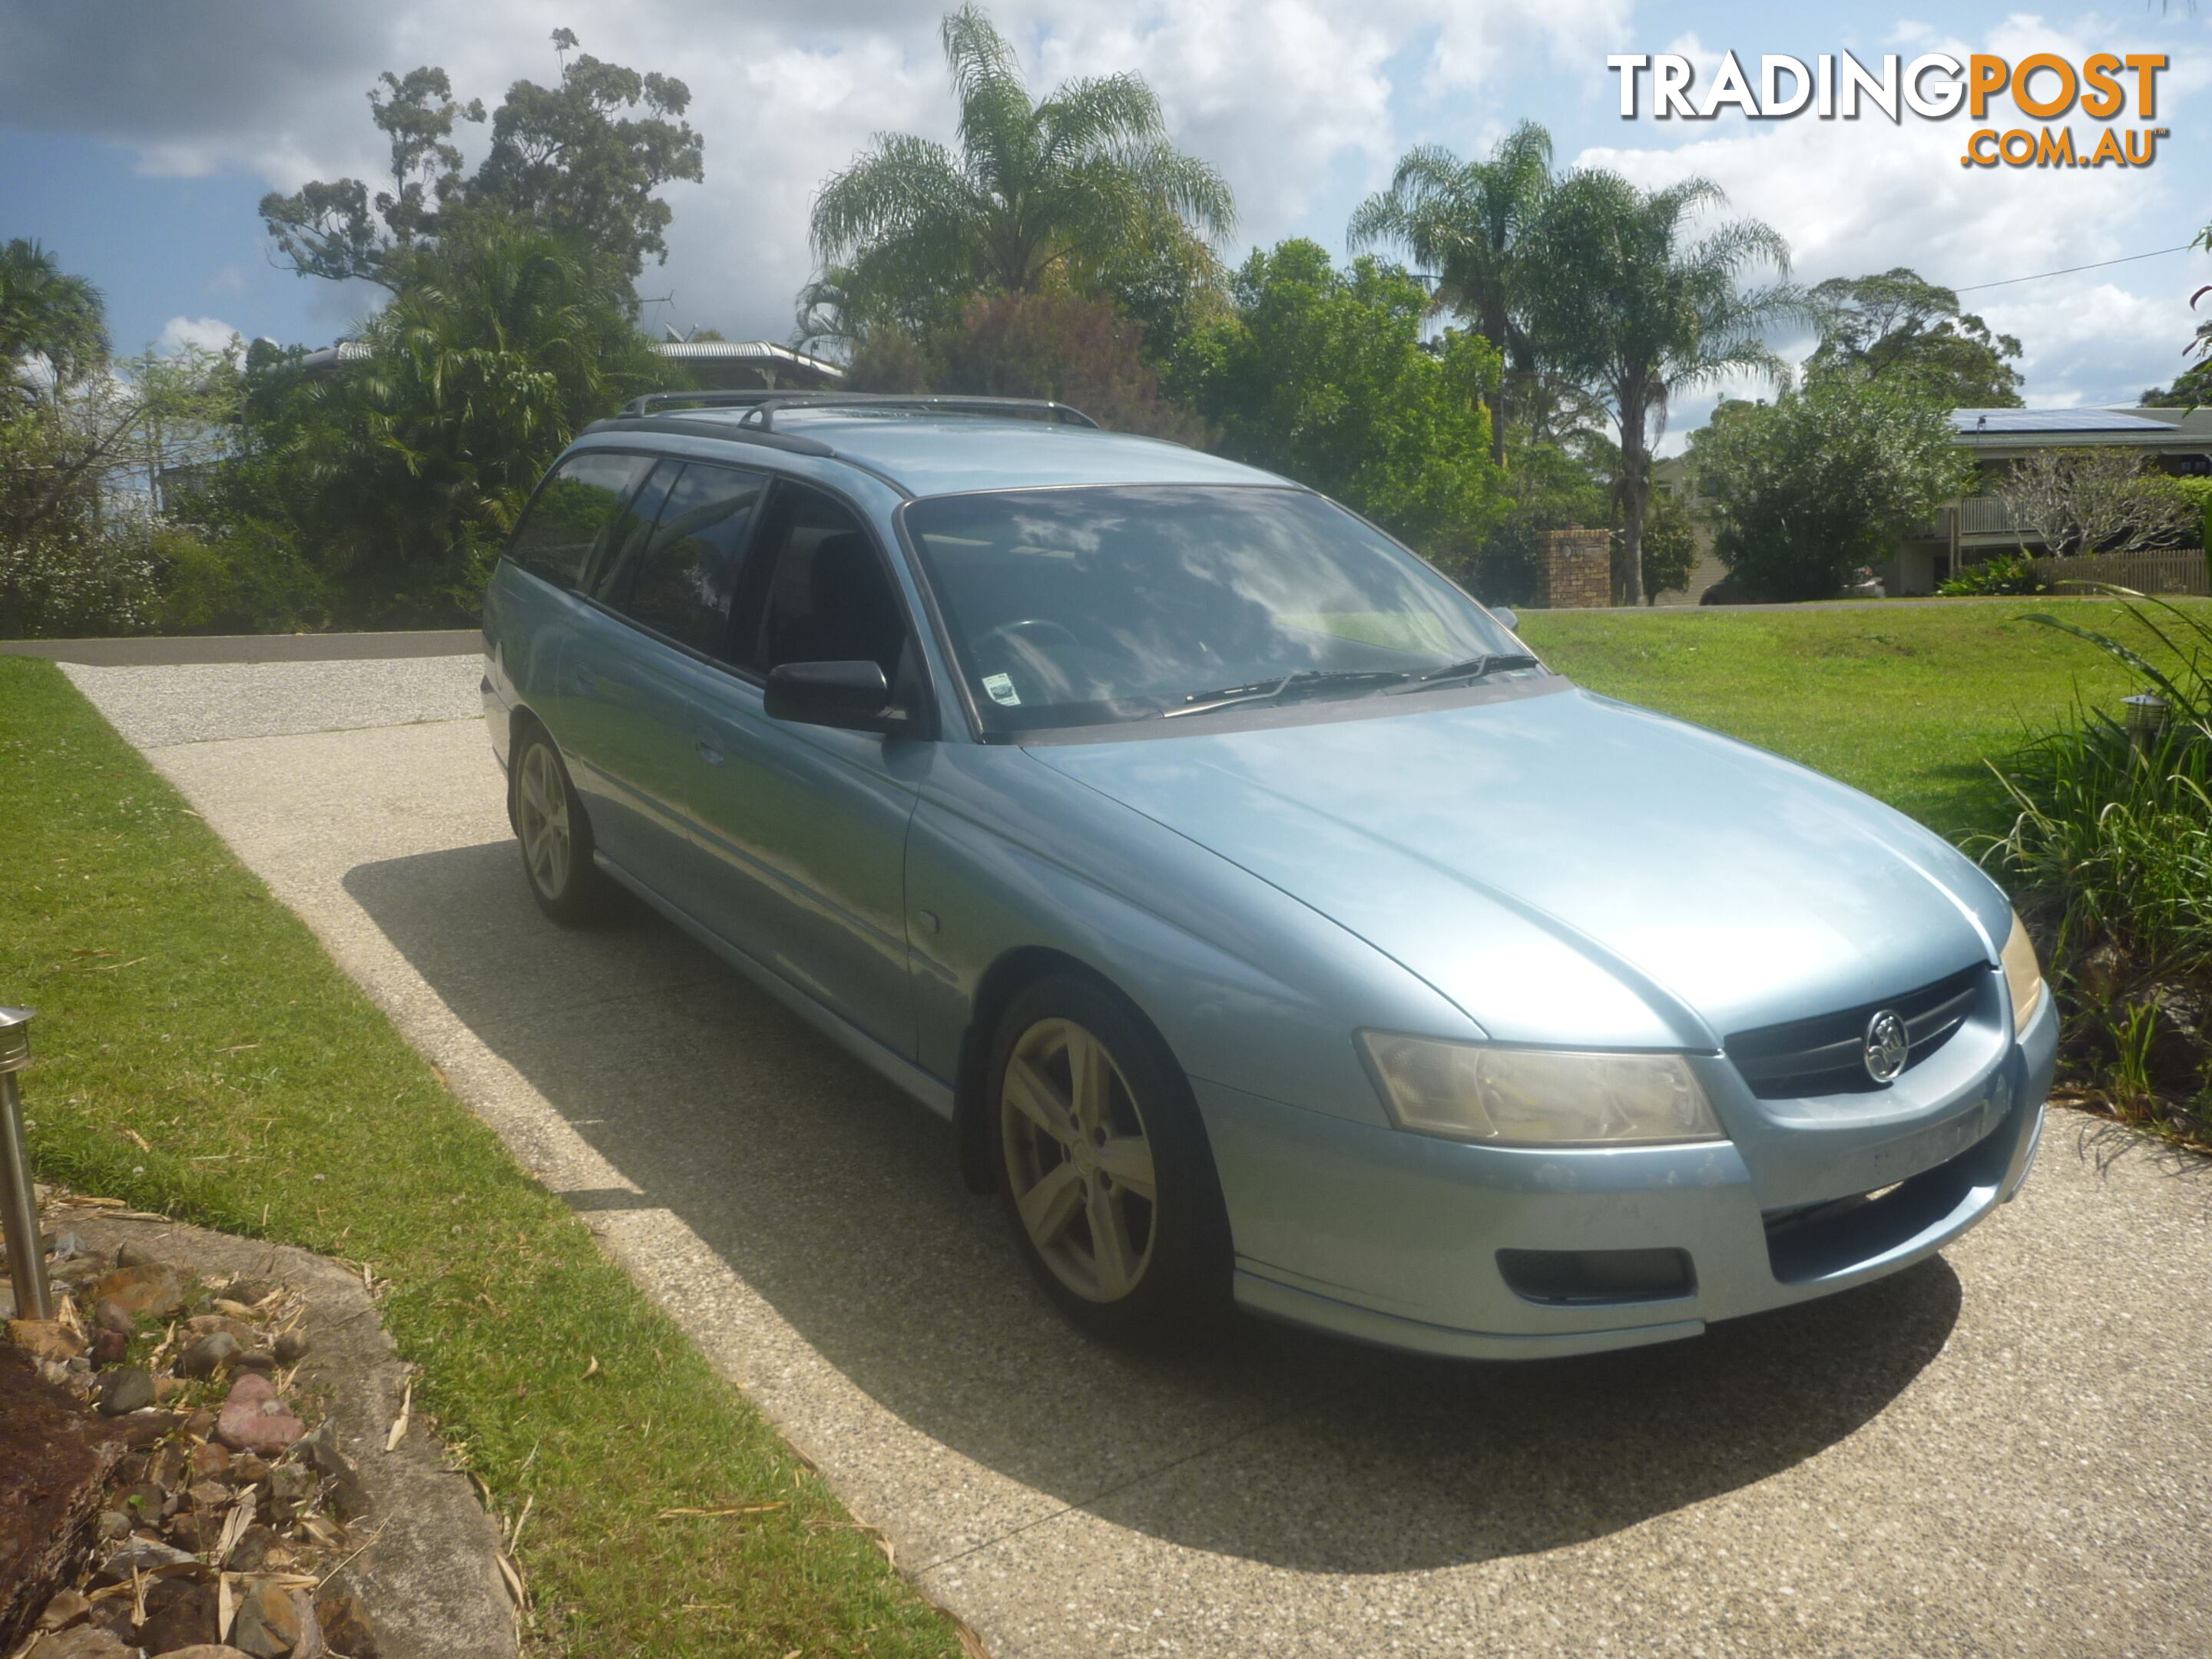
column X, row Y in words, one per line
column 541, row 818
column 1078, row 1160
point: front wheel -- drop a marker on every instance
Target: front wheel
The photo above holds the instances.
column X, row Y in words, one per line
column 1105, row 1166
column 556, row 835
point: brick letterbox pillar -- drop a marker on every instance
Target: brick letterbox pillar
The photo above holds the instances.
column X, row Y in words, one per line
column 1574, row 568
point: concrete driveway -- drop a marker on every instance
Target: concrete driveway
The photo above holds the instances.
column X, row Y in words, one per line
column 2005, row 1451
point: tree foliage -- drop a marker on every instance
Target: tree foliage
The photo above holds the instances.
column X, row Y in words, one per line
column 1670, row 547
column 1634, row 302
column 1466, row 223
column 1040, row 192
column 581, row 160
column 1895, row 325
column 51, row 324
column 2095, row 501
column 1822, row 480
column 405, row 473
column 1320, row 373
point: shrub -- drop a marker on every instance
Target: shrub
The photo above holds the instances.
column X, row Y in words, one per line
column 2112, row 857
column 2001, row 572
column 79, row 583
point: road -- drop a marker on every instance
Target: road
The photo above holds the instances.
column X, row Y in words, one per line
column 2006, row 1450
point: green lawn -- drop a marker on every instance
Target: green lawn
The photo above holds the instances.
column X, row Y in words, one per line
column 196, row 1052
column 1905, row 702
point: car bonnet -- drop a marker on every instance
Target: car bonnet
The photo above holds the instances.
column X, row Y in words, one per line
column 1571, row 870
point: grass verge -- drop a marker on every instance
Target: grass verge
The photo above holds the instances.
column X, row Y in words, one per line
column 1908, row 701
column 198, row 1052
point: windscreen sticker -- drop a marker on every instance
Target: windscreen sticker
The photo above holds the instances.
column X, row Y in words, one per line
column 1001, row 689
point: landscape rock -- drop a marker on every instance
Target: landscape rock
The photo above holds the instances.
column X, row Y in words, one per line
column 347, row 1631
column 45, row 1338
column 154, row 1290
column 111, row 1316
column 291, row 1348
column 210, row 1458
column 254, row 1419
column 113, row 1525
column 136, row 1256
column 207, row 1324
column 268, row 1624
column 83, row 1642
column 110, row 1347
column 254, row 1359
column 140, row 1555
column 126, row 1390
column 202, row 1650
column 179, row 1614
column 144, row 1428
column 207, row 1356
column 67, row 1608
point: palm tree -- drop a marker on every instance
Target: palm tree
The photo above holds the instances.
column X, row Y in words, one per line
column 1629, row 302
column 1040, row 191
column 1465, row 221
column 45, row 313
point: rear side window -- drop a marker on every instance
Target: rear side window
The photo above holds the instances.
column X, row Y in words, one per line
column 819, row 593
column 574, row 507
column 687, row 571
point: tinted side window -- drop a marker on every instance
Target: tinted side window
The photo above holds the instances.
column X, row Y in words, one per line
column 624, row 543
column 822, row 594
column 555, row 539
column 688, row 572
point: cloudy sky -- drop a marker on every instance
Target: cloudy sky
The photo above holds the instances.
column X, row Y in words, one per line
column 134, row 140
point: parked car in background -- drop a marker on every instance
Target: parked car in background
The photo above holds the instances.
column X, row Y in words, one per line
column 1274, row 926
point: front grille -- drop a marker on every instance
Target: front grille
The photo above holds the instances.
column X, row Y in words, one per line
column 1826, row 1055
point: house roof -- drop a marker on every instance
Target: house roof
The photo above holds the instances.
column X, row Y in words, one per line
column 698, row 353
column 1999, row 433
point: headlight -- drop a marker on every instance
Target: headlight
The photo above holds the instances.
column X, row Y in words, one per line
column 2022, row 977
column 1473, row 1092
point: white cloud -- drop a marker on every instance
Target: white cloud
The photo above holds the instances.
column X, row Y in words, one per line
column 205, row 333
column 1856, row 197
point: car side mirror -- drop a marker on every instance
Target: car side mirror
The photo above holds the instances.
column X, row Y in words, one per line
column 853, row 696
column 1507, row 615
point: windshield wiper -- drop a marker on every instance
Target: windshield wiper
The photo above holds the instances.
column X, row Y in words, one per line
column 1298, row 684
column 1474, row 668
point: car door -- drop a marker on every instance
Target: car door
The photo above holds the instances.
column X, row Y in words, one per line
column 533, row 623
column 643, row 666
column 808, row 824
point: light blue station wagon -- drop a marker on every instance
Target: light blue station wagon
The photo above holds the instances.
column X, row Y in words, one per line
column 1272, row 926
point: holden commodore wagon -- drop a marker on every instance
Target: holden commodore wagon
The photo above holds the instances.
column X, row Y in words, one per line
column 1274, row 926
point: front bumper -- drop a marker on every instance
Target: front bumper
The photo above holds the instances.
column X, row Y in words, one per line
column 1393, row 1238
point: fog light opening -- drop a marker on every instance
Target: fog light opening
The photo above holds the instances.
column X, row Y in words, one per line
column 1580, row 1278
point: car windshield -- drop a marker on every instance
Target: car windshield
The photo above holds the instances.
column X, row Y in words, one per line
column 1093, row 605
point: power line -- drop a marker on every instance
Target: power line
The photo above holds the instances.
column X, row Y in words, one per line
column 2008, row 281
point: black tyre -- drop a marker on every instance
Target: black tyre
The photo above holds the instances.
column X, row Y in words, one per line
column 1105, row 1166
column 556, row 835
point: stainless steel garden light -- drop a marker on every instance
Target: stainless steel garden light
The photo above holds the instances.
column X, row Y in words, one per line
column 19, row 1205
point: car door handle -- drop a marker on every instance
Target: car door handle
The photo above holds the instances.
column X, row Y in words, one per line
column 708, row 753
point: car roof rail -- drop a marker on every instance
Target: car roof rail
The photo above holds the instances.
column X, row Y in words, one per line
column 762, row 407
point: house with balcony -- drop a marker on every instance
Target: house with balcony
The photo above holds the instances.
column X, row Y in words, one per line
column 2177, row 441
column 1976, row 525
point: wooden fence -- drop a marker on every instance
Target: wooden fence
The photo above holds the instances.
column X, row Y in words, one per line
column 2169, row 570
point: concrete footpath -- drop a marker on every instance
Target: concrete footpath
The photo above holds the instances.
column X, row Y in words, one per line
column 2006, row 1450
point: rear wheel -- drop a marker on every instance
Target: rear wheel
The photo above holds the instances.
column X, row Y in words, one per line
column 556, row 835
column 1104, row 1167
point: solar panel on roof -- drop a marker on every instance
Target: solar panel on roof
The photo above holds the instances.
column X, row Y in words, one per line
column 2051, row 420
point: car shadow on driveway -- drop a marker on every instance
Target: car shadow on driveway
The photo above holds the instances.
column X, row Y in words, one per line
column 837, row 1198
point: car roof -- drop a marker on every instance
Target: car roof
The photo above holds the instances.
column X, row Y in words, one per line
column 931, row 452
